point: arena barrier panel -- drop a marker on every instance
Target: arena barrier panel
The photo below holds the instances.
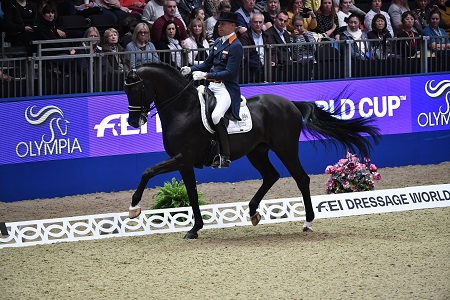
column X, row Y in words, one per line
column 100, row 226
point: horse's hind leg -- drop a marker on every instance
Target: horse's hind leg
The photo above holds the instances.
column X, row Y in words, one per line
column 289, row 157
column 259, row 158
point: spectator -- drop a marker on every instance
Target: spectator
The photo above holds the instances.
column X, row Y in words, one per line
column 302, row 53
column 408, row 48
column 185, row 7
column 136, row 6
column 116, row 63
column 21, row 20
column 280, row 36
column 296, row 7
column 248, row 7
column 170, row 9
column 271, row 9
column 211, row 22
column 255, row 58
column 445, row 15
column 212, row 6
column 155, row 9
column 114, row 9
column 422, row 14
column 327, row 20
column 170, row 40
column 359, row 47
column 63, row 7
column 92, row 47
column 376, row 9
column 141, row 42
column 4, row 76
column 196, row 40
column 379, row 49
column 396, row 9
column 439, row 39
column 343, row 14
column 197, row 13
column 87, row 9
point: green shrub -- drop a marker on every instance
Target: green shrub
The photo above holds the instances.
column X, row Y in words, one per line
column 173, row 194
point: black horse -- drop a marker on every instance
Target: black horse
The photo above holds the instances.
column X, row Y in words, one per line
column 277, row 124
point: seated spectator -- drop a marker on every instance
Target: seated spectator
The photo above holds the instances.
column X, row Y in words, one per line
column 5, row 77
column 155, row 9
column 185, row 7
column 248, row 7
column 255, row 59
column 376, row 9
column 379, row 49
column 271, row 9
column 443, row 7
column 327, row 20
column 302, row 53
column 136, row 6
column 343, row 14
column 279, row 35
column 196, row 40
column 309, row 18
column 170, row 40
column 141, row 42
column 87, row 9
column 354, row 33
column 91, row 47
column 197, row 13
column 116, row 63
column 422, row 14
column 439, row 39
column 63, row 7
column 396, row 10
column 21, row 20
column 170, row 9
column 114, row 9
column 408, row 48
column 211, row 22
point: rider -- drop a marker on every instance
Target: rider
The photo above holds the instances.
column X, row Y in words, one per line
column 221, row 68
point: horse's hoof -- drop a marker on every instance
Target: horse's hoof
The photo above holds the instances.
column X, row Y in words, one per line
column 134, row 213
column 191, row 236
column 307, row 229
column 255, row 218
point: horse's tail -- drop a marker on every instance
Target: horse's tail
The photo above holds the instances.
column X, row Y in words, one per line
column 348, row 133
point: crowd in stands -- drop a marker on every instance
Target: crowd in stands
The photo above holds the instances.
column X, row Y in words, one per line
column 138, row 27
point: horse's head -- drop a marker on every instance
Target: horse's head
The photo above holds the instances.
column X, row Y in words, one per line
column 139, row 98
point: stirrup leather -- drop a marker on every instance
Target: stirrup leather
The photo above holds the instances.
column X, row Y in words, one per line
column 221, row 161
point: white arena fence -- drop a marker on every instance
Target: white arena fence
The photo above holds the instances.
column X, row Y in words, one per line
column 100, row 226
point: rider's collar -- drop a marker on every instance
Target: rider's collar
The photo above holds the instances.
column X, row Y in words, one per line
column 230, row 36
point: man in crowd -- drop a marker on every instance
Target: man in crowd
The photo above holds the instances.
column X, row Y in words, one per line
column 155, row 9
column 170, row 9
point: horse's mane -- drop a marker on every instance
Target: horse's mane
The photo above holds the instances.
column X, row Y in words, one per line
column 173, row 72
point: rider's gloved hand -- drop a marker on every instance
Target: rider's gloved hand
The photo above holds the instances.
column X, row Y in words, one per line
column 199, row 75
column 185, row 70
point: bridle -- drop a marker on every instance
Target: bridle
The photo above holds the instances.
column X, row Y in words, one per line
column 163, row 105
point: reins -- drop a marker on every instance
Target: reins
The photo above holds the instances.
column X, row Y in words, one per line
column 163, row 105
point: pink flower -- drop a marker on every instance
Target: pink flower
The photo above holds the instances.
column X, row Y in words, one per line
column 346, row 184
column 366, row 159
column 376, row 176
column 330, row 170
column 373, row 168
column 342, row 161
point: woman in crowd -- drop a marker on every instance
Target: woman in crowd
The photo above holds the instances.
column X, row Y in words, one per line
column 141, row 43
column 408, row 48
column 379, row 49
column 422, row 14
column 354, row 32
column 327, row 20
column 21, row 20
column 196, row 40
column 439, row 39
column 343, row 14
column 94, row 47
column 376, row 9
column 302, row 53
column 170, row 40
column 396, row 10
column 296, row 7
column 197, row 13
column 270, row 12
column 117, row 63
column 211, row 22
column 445, row 15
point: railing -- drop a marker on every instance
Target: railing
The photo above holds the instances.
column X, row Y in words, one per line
column 42, row 75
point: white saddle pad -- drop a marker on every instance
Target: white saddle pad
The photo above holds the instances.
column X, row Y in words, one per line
column 234, row 126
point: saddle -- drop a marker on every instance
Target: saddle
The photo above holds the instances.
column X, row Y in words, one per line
column 208, row 101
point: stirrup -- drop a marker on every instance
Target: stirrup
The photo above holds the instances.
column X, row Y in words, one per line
column 221, row 161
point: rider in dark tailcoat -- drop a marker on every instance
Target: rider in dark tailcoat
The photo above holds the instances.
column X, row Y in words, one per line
column 221, row 68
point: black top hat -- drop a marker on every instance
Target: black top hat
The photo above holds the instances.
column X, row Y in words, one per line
column 228, row 17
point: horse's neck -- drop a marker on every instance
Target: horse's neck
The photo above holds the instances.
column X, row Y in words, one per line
column 170, row 110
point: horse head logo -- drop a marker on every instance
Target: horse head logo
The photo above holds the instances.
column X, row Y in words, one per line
column 56, row 116
column 437, row 91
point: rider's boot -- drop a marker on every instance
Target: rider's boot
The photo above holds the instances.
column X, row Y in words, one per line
column 222, row 160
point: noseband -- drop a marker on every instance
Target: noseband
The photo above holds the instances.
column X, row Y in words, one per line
column 163, row 105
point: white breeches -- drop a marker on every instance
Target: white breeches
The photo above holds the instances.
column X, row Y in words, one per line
column 223, row 101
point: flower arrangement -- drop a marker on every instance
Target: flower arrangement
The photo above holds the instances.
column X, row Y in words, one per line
column 350, row 175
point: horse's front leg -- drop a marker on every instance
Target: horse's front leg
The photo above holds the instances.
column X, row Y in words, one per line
column 188, row 175
column 169, row 165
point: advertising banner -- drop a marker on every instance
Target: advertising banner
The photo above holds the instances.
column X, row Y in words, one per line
column 93, row 126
